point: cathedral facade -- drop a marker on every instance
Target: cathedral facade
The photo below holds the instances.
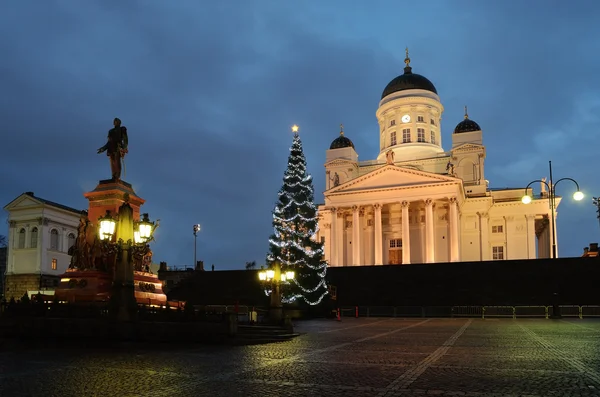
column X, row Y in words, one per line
column 416, row 202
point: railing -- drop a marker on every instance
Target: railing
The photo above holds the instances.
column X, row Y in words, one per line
column 468, row 311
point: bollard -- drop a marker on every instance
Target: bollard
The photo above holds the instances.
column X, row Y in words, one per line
column 356, row 311
column 339, row 317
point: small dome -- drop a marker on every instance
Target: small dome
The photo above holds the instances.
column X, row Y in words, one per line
column 341, row 141
column 408, row 81
column 467, row 125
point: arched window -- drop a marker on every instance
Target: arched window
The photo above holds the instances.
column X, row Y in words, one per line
column 54, row 240
column 71, row 238
column 34, row 237
column 21, row 243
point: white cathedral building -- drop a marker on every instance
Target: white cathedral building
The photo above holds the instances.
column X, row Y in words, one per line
column 416, row 202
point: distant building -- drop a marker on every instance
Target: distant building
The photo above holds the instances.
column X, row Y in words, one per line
column 419, row 203
column 3, row 252
column 591, row 251
column 39, row 237
column 171, row 276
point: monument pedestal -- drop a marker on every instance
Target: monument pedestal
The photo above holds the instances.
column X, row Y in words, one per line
column 95, row 284
column 109, row 195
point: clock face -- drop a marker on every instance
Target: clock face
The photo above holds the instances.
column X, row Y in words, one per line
column 405, row 118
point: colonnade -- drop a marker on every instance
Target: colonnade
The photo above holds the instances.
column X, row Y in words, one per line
column 337, row 229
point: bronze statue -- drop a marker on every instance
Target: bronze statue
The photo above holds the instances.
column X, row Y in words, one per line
column 116, row 148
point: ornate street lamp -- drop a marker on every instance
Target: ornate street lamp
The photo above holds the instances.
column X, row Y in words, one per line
column 107, row 227
column 131, row 238
column 577, row 196
column 274, row 278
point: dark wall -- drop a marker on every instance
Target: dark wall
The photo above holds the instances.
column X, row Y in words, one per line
column 521, row 282
column 518, row 282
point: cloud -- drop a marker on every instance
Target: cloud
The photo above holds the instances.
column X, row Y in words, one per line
column 209, row 91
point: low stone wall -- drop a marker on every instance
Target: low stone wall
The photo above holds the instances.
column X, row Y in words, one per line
column 102, row 330
column 18, row 284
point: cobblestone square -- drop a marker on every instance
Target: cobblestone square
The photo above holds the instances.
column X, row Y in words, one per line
column 354, row 357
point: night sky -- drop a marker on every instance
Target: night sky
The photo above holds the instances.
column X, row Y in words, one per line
column 208, row 91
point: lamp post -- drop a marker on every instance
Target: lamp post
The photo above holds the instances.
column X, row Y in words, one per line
column 274, row 278
column 196, row 230
column 130, row 236
column 577, row 196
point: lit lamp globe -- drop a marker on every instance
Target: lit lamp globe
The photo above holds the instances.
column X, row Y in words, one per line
column 262, row 276
column 107, row 226
column 526, row 199
column 270, row 274
column 578, row 195
column 289, row 275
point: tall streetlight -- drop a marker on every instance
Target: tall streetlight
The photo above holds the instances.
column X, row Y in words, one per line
column 273, row 278
column 578, row 196
column 130, row 237
column 196, row 230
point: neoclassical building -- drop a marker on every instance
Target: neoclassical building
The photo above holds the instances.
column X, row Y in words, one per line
column 418, row 203
column 39, row 237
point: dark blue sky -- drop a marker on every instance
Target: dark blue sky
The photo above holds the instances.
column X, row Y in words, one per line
column 209, row 90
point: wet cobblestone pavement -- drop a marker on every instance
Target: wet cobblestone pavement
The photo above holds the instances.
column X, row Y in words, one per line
column 355, row 357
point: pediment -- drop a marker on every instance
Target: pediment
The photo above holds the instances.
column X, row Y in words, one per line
column 391, row 176
column 22, row 202
column 468, row 147
column 339, row 162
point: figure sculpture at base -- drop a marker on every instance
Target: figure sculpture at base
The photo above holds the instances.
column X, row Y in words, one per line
column 116, row 148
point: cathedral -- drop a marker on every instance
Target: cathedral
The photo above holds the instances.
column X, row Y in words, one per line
column 418, row 203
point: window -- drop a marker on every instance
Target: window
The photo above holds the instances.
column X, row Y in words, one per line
column 54, row 239
column 34, row 237
column 392, row 122
column 322, row 240
column 393, row 139
column 420, row 134
column 406, row 135
column 21, row 239
column 71, row 238
column 497, row 229
column 498, row 253
column 54, row 264
column 396, row 243
column 432, row 137
column 420, row 119
column 432, row 121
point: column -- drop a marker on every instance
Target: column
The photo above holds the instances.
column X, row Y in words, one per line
column 355, row 236
column 378, row 235
column 341, row 231
column 484, row 241
column 333, row 238
column 454, row 235
column 550, row 234
column 429, row 232
column 405, row 234
column 530, row 236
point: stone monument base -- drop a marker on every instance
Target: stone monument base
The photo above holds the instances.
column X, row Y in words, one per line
column 93, row 286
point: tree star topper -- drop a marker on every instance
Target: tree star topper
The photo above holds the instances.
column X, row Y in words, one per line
column 295, row 129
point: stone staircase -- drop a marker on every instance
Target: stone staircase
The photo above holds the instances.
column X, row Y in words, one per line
column 259, row 334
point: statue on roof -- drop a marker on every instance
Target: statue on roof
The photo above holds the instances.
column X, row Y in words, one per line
column 116, row 148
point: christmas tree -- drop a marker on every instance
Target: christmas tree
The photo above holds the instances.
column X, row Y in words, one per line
column 295, row 223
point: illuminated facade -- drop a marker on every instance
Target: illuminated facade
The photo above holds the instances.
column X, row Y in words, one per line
column 416, row 202
column 39, row 237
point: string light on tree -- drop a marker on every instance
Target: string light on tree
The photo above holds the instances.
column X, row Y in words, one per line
column 295, row 224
